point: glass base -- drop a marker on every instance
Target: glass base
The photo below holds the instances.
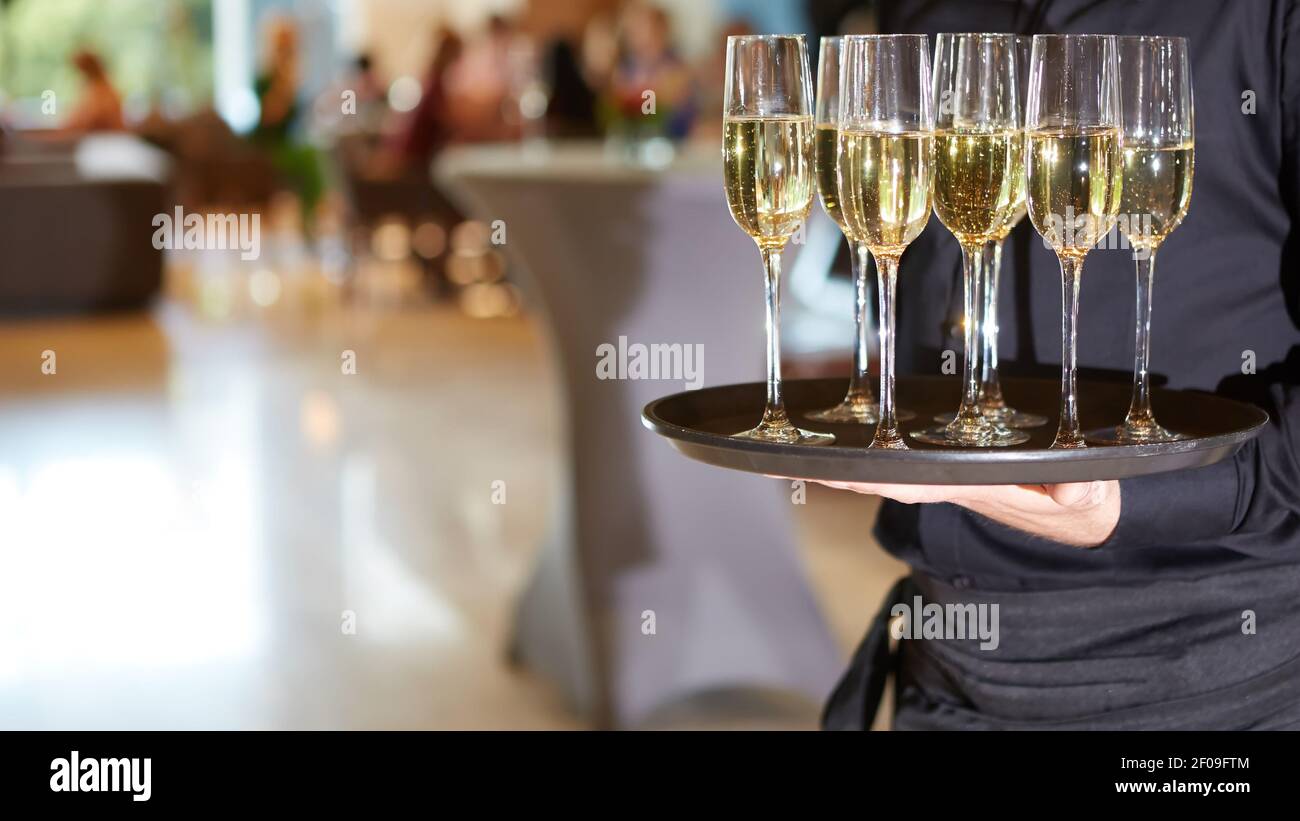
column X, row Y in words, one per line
column 976, row 436
column 1009, row 417
column 888, row 444
column 1129, row 435
column 1005, row 417
column 862, row 413
column 1067, row 443
column 785, row 434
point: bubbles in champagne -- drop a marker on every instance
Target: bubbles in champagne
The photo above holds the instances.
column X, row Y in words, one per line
column 768, row 174
column 1075, row 178
column 827, row 156
column 1157, row 191
column 975, row 181
column 885, row 182
column 1017, row 212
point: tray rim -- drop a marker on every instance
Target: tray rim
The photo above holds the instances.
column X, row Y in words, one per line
column 1005, row 457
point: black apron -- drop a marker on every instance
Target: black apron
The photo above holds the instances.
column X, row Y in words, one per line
column 1170, row 655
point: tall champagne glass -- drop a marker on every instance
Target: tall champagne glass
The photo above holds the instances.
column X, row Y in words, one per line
column 978, row 147
column 859, row 404
column 1156, row 91
column 992, row 403
column 885, row 171
column 1074, row 173
column 767, row 158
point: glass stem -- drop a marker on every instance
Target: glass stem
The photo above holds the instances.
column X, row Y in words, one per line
column 991, row 387
column 969, row 416
column 860, row 391
column 887, row 435
column 774, row 413
column 1139, row 412
column 1068, row 434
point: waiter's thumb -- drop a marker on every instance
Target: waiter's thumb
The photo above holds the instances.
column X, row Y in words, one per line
column 1076, row 494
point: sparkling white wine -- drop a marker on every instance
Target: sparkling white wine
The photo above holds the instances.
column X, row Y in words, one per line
column 1074, row 183
column 826, row 151
column 975, row 180
column 1018, row 182
column 768, row 172
column 885, row 182
column 1157, row 190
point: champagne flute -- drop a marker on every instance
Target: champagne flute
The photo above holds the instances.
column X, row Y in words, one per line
column 859, row 404
column 978, row 147
column 992, row 402
column 885, row 172
column 1156, row 90
column 767, row 159
column 1074, row 173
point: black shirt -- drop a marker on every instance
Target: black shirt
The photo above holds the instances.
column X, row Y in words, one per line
column 1227, row 293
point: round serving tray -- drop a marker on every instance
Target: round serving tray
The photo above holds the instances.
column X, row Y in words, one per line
column 699, row 423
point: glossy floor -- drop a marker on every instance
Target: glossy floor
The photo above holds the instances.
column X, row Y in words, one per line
column 211, row 522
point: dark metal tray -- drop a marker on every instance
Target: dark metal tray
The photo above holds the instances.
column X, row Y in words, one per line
column 698, row 423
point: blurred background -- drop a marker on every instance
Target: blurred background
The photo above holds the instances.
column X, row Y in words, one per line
column 353, row 464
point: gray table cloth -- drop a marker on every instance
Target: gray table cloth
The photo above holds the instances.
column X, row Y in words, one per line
column 607, row 250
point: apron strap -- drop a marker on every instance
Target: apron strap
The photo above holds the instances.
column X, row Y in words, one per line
column 856, row 699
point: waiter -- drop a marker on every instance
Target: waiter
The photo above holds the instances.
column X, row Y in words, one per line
column 1162, row 602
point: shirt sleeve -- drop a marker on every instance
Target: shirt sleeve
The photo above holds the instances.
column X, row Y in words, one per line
column 1249, row 503
column 1178, row 508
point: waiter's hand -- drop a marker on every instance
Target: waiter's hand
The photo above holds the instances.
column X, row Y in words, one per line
column 1082, row 514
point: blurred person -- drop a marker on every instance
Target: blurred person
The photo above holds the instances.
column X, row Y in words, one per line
column 431, row 125
column 277, row 132
column 369, row 94
column 571, row 111
column 648, row 61
column 99, row 108
column 366, row 82
column 599, row 50
column 353, row 114
column 480, row 83
column 276, row 84
column 710, row 83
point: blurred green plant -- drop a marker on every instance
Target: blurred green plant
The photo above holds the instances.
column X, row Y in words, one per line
column 155, row 50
